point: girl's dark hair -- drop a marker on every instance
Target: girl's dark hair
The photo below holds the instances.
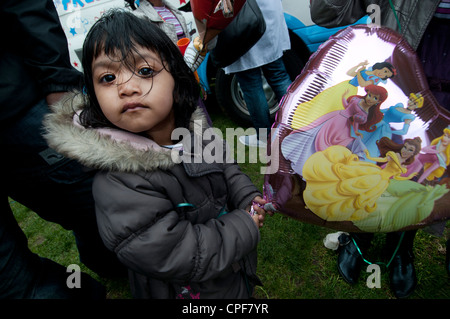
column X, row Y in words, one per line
column 117, row 34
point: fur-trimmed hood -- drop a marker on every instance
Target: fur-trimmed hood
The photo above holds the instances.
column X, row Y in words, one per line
column 106, row 148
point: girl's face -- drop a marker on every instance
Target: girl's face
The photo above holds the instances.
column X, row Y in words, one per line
column 138, row 100
column 407, row 150
column 383, row 73
column 372, row 99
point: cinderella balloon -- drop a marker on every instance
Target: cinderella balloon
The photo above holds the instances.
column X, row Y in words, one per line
column 360, row 142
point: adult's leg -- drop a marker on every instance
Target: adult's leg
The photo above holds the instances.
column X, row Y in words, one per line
column 277, row 77
column 56, row 188
column 403, row 277
column 349, row 257
column 251, row 85
column 25, row 275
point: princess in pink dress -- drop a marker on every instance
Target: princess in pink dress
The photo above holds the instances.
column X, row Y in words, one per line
column 433, row 158
column 341, row 127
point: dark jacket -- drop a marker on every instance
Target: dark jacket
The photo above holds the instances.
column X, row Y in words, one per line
column 414, row 15
column 177, row 225
column 34, row 56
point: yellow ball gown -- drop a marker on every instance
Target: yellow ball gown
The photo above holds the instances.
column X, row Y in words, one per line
column 341, row 187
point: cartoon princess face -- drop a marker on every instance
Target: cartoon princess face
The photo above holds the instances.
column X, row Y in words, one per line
column 408, row 150
column 383, row 73
column 445, row 138
column 372, row 99
column 415, row 101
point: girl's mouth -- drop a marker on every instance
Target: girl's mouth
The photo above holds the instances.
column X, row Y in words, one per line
column 131, row 106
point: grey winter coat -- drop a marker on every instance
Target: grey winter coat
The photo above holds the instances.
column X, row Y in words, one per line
column 181, row 229
column 414, row 15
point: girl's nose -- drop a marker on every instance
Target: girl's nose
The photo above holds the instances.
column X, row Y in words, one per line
column 130, row 85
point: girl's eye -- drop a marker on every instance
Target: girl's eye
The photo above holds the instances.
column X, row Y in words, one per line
column 108, row 78
column 146, row 72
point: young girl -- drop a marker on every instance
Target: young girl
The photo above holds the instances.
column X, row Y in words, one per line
column 184, row 230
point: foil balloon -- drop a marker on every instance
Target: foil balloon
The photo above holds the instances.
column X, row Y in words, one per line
column 360, row 144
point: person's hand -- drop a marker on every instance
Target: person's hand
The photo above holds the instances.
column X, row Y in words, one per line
column 258, row 212
column 227, row 8
column 258, row 219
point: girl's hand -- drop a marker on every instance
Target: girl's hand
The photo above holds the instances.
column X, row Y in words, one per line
column 257, row 211
column 258, row 219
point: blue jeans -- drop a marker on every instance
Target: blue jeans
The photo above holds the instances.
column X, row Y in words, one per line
column 58, row 190
column 251, row 85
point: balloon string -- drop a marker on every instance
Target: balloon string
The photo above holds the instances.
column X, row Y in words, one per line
column 396, row 17
column 381, row 263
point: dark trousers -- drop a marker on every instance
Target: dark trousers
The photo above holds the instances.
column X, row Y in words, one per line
column 251, row 84
column 394, row 241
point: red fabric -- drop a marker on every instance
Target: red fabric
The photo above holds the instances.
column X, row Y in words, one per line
column 203, row 10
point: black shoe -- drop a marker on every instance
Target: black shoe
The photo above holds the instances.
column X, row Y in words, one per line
column 349, row 260
column 402, row 275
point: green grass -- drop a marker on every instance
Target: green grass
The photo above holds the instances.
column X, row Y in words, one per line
column 292, row 261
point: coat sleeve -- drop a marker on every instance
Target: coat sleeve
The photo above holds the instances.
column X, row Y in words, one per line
column 240, row 187
column 42, row 43
column 336, row 13
column 137, row 221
